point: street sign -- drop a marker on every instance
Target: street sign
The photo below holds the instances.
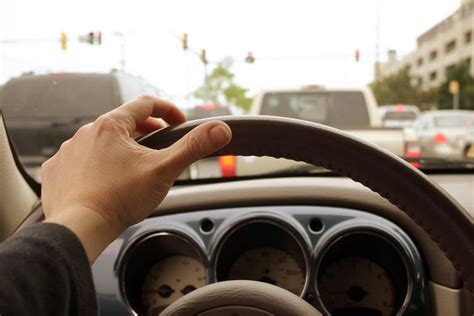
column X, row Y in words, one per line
column 454, row 87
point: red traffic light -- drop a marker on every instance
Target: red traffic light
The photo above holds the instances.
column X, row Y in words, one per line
column 357, row 55
column 249, row 59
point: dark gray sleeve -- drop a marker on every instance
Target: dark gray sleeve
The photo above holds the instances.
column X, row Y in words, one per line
column 44, row 270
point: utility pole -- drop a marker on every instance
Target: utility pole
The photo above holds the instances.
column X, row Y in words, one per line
column 203, row 57
column 122, row 49
column 377, row 41
column 454, row 90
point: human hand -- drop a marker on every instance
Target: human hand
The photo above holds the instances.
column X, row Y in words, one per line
column 101, row 181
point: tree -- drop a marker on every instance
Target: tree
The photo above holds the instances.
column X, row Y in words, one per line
column 399, row 89
column 459, row 72
column 220, row 87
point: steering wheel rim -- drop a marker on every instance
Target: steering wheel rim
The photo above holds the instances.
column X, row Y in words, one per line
column 445, row 221
column 240, row 297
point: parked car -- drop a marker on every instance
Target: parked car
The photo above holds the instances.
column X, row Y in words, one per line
column 445, row 134
column 399, row 115
column 353, row 110
column 43, row 111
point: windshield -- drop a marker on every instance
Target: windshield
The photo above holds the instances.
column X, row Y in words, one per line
column 452, row 121
column 397, row 74
column 400, row 116
column 52, row 96
column 343, row 109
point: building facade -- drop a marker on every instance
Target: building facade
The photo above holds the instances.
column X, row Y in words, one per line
column 446, row 44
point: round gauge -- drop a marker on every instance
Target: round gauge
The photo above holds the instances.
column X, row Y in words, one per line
column 170, row 279
column 269, row 265
column 354, row 285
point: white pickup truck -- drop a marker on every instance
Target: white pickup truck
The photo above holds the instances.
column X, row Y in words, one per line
column 354, row 111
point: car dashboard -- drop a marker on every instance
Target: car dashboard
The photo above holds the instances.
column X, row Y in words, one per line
column 349, row 252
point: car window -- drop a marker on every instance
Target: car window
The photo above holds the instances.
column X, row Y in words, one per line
column 452, row 121
column 401, row 115
column 337, row 109
column 58, row 96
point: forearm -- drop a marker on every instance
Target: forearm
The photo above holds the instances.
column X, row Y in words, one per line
column 44, row 271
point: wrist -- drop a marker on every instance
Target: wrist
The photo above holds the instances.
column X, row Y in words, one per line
column 94, row 231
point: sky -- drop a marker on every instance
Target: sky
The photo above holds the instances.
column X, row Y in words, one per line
column 295, row 42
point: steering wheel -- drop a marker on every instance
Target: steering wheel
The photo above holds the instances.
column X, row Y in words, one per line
column 446, row 222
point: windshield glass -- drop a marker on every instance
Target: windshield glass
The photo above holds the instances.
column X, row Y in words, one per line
column 341, row 109
column 403, row 84
column 400, row 116
column 58, row 96
column 458, row 121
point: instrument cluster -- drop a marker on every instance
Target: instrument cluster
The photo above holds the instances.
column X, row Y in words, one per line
column 342, row 268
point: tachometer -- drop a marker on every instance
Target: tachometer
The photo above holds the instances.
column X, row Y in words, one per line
column 357, row 286
column 269, row 265
column 170, row 279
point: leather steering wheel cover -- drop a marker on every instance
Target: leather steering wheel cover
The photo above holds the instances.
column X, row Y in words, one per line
column 263, row 296
column 440, row 216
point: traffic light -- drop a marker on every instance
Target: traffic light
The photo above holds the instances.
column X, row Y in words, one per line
column 203, row 56
column 63, row 41
column 249, row 59
column 357, row 55
column 184, row 41
column 91, row 38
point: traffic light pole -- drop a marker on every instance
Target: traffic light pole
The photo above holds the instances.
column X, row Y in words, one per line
column 456, row 101
column 122, row 49
column 206, row 94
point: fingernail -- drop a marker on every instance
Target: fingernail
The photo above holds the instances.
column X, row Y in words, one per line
column 220, row 134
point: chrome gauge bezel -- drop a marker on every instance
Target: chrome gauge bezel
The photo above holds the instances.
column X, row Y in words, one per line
column 356, row 228
column 134, row 246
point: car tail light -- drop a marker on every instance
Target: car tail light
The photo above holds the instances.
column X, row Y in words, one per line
column 413, row 150
column 227, row 165
column 208, row 106
column 440, row 138
column 400, row 108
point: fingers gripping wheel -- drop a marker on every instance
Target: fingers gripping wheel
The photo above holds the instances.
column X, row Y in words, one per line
column 245, row 298
column 441, row 217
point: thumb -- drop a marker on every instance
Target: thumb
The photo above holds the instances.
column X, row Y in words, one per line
column 197, row 144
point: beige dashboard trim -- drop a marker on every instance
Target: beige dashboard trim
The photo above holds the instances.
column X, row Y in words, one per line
column 16, row 196
column 447, row 301
column 339, row 192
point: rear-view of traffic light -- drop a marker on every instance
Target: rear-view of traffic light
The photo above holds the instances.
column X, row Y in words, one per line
column 203, row 56
column 184, row 41
column 249, row 59
column 63, row 41
column 357, row 55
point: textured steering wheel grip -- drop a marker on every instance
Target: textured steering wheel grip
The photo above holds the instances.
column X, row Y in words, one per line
column 446, row 222
column 240, row 297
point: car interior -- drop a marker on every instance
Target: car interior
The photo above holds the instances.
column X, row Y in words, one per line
column 378, row 237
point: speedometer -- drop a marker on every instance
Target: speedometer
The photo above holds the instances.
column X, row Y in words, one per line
column 170, row 279
column 269, row 265
column 352, row 285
